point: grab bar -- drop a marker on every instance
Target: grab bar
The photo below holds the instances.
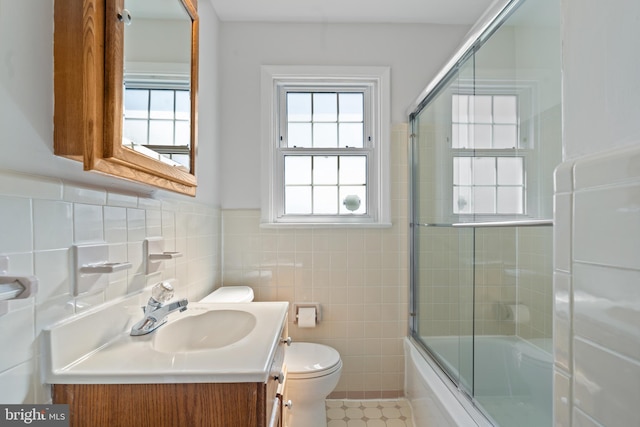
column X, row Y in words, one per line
column 515, row 223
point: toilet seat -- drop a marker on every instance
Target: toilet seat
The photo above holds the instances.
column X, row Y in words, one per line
column 311, row 360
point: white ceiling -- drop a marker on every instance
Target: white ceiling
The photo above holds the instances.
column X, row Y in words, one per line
column 352, row 11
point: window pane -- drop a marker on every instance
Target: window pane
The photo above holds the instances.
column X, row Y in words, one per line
column 459, row 108
column 297, row 200
column 510, row 171
column 298, row 107
column 325, row 200
column 481, row 136
column 353, row 170
column 325, row 135
column 136, row 130
column 183, row 105
column 462, row 202
column 484, row 171
column 358, row 191
column 351, row 107
column 161, row 106
column 183, row 133
column 299, row 135
column 460, row 136
column 505, row 136
column 325, row 107
column 484, row 200
column 505, row 109
column 510, row 200
column 325, row 170
column 351, row 135
column 297, row 170
column 480, row 109
column 136, row 103
column 462, row 171
column 183, row 159
column 161, row 132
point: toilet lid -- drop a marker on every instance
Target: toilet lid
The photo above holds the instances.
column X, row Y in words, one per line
column 230, row 294
column 304, row 360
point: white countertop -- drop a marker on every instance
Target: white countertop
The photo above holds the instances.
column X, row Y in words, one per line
column 125, row 359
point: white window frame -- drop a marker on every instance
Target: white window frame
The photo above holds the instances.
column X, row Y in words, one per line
column 377, row 82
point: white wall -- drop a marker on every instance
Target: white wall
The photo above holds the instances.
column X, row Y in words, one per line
column 414, row 53
column 597, row 221
column 48, row 204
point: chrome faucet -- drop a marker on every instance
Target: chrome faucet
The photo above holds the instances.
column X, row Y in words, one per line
column 156, row 312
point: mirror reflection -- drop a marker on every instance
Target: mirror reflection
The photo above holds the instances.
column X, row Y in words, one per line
column 157, row 81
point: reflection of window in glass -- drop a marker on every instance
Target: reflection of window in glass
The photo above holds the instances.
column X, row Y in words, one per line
column 159, row 119
column 488, row 185
column 325, row 153
column 484, row 121
column 488, row 162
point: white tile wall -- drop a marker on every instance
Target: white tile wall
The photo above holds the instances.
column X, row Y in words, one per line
column 40, row 220
column 597, row 289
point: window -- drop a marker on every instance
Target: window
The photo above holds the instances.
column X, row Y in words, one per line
column 326, row 158
column 489, row 160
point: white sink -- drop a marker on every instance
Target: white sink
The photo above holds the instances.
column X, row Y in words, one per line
column 207, row 331
column 212, row 343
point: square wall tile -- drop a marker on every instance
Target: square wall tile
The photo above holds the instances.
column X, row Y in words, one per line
column 562, row 321
column 561, row 400
column 88, row 224
column 53, row 270
column 606, row 385
column 15, row 225
column 24, row 185
column 606, row 226
column 17, row 384
column 52, row 224
column 115, row 224
column 606, row 307
column 562, row 219
column 17, row 331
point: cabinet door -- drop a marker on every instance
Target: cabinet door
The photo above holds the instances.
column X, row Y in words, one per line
column 88, row 101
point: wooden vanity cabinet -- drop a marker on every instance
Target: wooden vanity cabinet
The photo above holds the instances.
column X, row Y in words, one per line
column 170, row 405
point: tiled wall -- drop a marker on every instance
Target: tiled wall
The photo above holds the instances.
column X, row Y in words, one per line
column 597, row 290
column 359, row 276
column 40, row 220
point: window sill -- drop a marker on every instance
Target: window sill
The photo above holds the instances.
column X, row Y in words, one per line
column 319, row 225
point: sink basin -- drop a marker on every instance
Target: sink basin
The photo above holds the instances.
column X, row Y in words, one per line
column 210, row 330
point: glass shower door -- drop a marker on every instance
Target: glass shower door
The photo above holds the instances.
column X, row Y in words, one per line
column 485, row 142
column 443, row 255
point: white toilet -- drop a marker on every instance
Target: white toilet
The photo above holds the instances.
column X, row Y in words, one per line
column 313, row 370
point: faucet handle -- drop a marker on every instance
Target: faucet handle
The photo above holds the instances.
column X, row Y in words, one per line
column 162, row 292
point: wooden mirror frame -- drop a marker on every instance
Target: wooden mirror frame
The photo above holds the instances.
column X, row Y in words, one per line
column 88, row 86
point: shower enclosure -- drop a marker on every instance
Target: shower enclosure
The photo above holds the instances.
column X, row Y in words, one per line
column 485, row 140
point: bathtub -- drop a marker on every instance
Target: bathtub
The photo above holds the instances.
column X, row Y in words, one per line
column 517, row 390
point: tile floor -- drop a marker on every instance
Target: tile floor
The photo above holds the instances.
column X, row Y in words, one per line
column 369, row 413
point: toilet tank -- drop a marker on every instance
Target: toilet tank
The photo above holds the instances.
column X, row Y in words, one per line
column 230, row 294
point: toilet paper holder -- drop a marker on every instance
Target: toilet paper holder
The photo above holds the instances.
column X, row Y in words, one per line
column 298, row 306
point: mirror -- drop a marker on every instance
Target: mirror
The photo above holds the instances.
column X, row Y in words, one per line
column 157, row 81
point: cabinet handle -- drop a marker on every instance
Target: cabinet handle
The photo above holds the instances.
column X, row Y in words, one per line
column 125, row 16
column 288, row 404
column 279, row 377
column 286, row 341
